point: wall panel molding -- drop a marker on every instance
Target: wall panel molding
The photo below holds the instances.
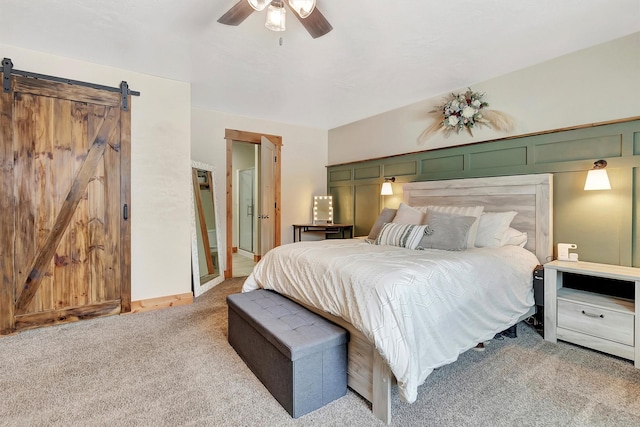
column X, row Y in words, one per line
column 566, row 153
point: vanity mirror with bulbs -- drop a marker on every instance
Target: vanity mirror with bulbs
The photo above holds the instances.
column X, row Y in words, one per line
column 323, row 222
column 322, row 209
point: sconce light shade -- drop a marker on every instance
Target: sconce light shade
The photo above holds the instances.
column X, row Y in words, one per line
column 386, row 189
column 276, row 16
column 597, row 178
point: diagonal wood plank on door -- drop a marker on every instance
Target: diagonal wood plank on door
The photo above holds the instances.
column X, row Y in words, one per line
column 38, row 265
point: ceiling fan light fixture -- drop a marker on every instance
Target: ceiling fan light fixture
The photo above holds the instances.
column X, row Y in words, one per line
column 259, row 4
column 276, row 16
column 303, row 7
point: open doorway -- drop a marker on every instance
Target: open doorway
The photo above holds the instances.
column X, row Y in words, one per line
column 253, row 217
column 246, row 204
column 245, row 207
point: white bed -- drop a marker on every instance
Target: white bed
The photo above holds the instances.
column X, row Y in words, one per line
column 410, row 311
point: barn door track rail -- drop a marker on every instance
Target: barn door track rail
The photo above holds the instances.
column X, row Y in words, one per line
column 8, row 70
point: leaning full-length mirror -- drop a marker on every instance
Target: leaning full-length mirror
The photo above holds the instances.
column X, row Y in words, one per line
column 205, row 242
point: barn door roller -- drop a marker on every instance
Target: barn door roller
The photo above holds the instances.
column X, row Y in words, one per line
column 8, row 70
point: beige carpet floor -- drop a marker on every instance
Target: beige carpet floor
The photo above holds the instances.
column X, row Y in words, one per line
column 174, row 367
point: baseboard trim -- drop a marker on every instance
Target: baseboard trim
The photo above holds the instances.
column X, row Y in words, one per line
column 150, row 304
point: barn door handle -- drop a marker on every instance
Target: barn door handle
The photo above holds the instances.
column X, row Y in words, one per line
column 125, row 211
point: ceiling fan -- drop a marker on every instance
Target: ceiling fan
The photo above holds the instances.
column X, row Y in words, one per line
column 305, row 10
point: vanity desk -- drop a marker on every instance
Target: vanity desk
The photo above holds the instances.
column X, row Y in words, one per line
column 298, row 229
column 597, row 318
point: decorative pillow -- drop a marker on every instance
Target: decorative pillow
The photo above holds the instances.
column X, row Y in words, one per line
column 408, row 215
column 450, row 231
column 491, row 228
column 385, row 216
column 475, row 211
column 515, row 237
column 403, row 235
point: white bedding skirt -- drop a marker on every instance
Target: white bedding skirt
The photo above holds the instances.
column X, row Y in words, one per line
column 421, row 309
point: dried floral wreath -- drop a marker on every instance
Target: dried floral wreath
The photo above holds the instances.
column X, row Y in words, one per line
column 464, row 111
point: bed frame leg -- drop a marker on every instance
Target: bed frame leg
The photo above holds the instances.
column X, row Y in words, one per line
column 382, row 380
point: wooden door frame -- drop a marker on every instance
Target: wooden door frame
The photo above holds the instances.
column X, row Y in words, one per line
column 232, row 135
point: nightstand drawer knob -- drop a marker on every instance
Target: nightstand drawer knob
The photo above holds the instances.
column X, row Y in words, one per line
column 593, row 315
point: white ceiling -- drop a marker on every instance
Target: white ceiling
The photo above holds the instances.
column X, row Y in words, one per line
column 380, row 55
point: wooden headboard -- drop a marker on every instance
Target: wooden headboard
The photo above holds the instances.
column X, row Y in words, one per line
column 529, row 195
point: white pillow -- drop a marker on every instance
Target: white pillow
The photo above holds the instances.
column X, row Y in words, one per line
column 408, row 215
column 402, row 235
column 515, row 237
column 491, row 228
column 464, row 211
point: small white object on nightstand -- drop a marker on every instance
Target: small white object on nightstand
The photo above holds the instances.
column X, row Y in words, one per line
column 563, row 252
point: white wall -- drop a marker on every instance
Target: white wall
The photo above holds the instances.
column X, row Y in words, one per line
column 160, row 169
column 593, row 85
column 304, row 157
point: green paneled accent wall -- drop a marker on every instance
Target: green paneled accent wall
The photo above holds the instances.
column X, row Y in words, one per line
column 400, row 169
column 443, row 164
column 579, row 149
column 499, row 158
column 594, row 220
column 343, row 206
column 367, row 208
column 340, row 175
column 364, row 172
column 636, row 218
column 604, row 224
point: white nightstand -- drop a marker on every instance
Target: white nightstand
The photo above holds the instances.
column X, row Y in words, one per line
column 591, row 319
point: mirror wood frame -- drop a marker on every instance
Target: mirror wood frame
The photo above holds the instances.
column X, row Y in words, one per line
column 201, row 284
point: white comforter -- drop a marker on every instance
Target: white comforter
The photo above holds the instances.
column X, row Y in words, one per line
column 421, row 309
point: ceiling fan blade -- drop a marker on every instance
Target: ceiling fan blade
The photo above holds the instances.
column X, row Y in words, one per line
column 316, row 24
column 238, row 13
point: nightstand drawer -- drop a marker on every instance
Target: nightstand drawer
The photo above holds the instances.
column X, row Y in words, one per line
column 596, row 321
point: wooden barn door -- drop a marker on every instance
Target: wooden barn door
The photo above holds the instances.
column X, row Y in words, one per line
column 64, row 231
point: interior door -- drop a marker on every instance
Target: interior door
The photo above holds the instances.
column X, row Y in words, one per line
column 65, row 232
column 232, row 135
column 267, row 195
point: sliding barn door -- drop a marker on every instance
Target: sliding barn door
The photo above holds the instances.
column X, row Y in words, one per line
column 64, row 235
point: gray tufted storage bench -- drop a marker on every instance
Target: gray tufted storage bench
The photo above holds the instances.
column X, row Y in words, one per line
column 300, row 357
